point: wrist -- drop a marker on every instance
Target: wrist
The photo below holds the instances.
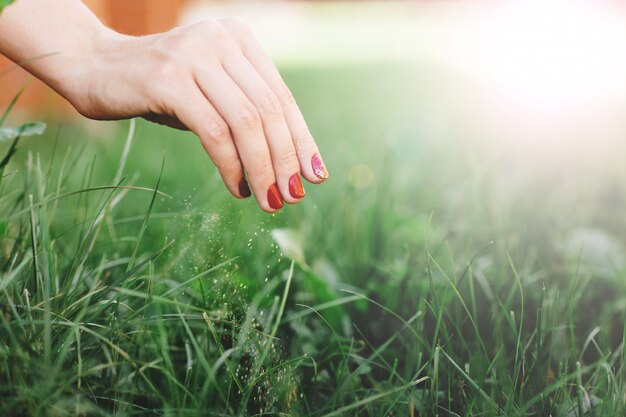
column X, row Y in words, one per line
column 88, row 70
column 64, row 44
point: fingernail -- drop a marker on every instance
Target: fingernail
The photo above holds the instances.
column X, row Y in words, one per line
column 244, row 189
column 273, row 197
column 318, row 167
column 295, row 186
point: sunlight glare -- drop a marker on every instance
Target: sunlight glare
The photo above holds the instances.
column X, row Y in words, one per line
column 555, row 55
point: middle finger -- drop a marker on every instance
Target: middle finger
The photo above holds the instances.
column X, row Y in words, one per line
column 281, row 145
column 247, row 128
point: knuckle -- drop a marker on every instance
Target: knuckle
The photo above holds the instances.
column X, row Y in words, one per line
column 303, row 139
column 181, row 39
column 217, row 130
column 264, row 169
column 230, row 168
column 287, row 96
column 212, row 29
column 186, row 42
column 233, row 166
column 270, row 106
column 288, row 157
column 261, row 170
column 237, row 24
column 248, row 117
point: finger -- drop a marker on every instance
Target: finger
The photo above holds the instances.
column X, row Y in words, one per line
column 199, row 115
column 282, row 150
column 247, row 130
column 311, row 164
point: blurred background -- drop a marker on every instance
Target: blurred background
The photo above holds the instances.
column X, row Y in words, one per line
column 460, row 136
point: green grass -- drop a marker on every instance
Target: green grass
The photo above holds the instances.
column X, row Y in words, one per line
column 456, row 283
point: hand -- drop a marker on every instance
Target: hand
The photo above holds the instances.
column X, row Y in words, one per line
column 215, row 79
column 212, row 78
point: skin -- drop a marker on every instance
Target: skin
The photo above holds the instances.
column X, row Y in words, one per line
column 212, row 78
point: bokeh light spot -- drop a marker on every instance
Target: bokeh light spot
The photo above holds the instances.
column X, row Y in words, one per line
column 361, row 176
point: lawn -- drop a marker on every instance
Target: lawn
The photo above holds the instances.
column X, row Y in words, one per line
column 437, row 272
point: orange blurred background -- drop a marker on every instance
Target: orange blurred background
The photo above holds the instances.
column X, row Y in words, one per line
column 136, row 17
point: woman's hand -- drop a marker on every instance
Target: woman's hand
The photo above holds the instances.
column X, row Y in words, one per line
column 212, row 78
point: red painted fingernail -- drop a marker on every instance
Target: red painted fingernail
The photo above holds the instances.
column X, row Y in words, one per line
column 273, row 198
column 244, row 189
column 318, row 167
column 295, row 186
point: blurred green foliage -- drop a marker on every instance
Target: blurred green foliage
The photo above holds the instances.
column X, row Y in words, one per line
column 495, row 271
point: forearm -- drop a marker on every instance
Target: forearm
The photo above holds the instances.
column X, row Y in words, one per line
column 52, row 39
